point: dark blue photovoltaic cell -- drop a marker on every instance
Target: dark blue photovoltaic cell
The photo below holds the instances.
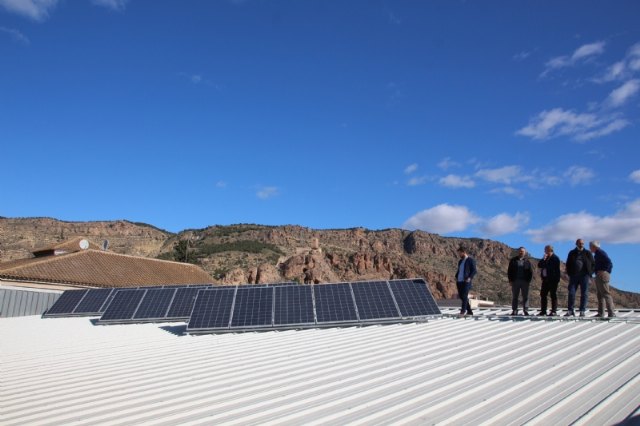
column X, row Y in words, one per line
column 414, row 298
column 334, row 303
column 93, row 301
column 253, row 307
column 183, row 302
column 212, row 309
column 123, row 305
column 374, row 300
column 293, row 305
column 66, row 303
column 155, row 303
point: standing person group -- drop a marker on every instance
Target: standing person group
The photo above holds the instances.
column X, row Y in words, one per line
column 580, row 266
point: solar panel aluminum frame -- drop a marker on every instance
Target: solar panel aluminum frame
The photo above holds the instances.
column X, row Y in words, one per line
column 67, row 312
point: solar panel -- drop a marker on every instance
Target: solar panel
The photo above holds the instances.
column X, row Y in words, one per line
column 374, row 300
column 212, row 309
column 182, row 303
column 155, row 303
column 253, row 307
column 123, row 305
column 334, row 303
column 414, row 298
column 66, row 303
column 93, row 301
column 293, row 305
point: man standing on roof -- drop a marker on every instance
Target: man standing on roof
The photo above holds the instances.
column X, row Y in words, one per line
column 579, row 269
column 550, row 273
column 603, row 266
column 464, row 276
column 520, row 273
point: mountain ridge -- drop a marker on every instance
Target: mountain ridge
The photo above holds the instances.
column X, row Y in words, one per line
column 251, row 253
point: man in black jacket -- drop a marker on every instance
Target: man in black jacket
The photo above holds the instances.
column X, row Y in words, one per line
column 579, row 268
column 549, row 267
column 520, row 273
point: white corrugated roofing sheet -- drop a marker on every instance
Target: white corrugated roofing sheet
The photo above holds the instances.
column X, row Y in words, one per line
column 445, row 371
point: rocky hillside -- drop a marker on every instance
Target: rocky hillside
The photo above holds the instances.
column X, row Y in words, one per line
column 261, row 254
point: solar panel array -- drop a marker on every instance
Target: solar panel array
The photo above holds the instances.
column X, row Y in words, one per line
column 253, row 307
column 281, row 307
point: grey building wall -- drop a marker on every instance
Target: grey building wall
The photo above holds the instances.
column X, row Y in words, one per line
column 18, row 303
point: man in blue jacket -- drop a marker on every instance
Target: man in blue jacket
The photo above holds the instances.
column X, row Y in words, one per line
column 603, row 266
column 464, row 276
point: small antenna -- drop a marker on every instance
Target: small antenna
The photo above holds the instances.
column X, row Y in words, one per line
column 105, row 245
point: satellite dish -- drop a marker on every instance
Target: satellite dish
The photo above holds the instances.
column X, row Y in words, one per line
column 84, row 244
column 105, row 245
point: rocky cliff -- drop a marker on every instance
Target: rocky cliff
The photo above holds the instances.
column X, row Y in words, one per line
column 261, row 254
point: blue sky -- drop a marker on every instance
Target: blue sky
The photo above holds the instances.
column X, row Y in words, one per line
column 514, row 121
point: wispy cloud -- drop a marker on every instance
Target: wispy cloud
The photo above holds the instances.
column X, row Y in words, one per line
column 117, row 5
column 447, row 163
column 521, row 56
column 37, row 10
column 505, row 223
column 442, row 219
column 221, row 184
column 447, row 218
column 624, row 68
column 198, row 79
column 618, row 228
column 417, row 180
column 578, row 175
column 266, row 192
column 15, row 35
column 579, row 126
column 635, row 176
column 503, row 175
column 410, row 168
column 622, row 94
column 581, row 54
column 455, row 181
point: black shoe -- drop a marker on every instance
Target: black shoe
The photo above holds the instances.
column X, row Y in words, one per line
column 552, row 314
column 461, row 313
column 542, row 314
column 513, row 313
column 570, row 314
column 526, row 313
column 612, row 316
column 469, row 312
column 582, row 313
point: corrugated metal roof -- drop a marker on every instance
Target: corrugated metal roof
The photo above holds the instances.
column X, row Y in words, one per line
column 445, row 371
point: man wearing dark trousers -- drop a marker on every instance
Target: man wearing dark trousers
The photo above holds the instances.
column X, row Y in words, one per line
column 549, row 267
column 464, row 276
column 520, row 273
column 579, row 268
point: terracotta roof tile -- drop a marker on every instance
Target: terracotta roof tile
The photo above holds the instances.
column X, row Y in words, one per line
column 104, row 269
column 71, row 245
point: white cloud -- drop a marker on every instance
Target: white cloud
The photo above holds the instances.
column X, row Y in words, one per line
column 410, row 169
column 267, row 192
column 38, row 10
column 505, row 224
column 508, row 190
column 635, row 176
column 577, row 175
column 582, row 53
column 15, row 35
column 418, row 180
column 117, row 5
column 581, row 127
column 505, row 175
column 620, row 95
column 521, row 56
column 621, row 227
column 442, row 219
column 447, row 163
column 221, row 184
column 455, row 181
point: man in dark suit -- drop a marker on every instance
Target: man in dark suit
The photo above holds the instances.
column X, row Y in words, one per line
column 549, row 267
column 520, row 273
column 464, row 276
column 579, row 268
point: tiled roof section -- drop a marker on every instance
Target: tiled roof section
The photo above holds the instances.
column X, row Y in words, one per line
column 98, row 268
column 70, row 246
